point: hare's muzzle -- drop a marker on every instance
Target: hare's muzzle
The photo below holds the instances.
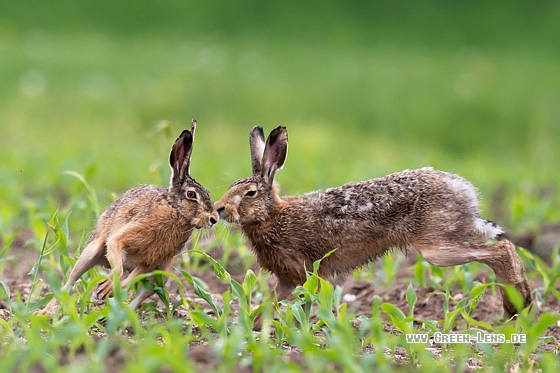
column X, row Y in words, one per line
column 206, row 220
column 213, row 218
column 221, row 210
column 226, row 213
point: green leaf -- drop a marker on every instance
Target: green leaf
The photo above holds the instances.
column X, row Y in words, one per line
column 244, row 292
column 299, row 314
column 6, row 294
column 249, row 282
column 446, row 301
column 551, row 283
column 397, row 317
column 238, row 291
column 513, row 295
column 478, row 290
column 411, row 298
column 472, row 321
column 202, row 318
column 312, row 283
column 545, row 321
column 396, row 314
column 317, row 263
column 200, row 291
column 64, row 232
column 419, row 273
column 450, row 319
column 219, row 270
column 91, row 192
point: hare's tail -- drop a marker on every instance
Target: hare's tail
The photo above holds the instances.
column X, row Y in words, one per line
column 488, row 229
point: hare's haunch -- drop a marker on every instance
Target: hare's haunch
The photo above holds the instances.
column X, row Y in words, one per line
column 432, row 211
column 147, row 226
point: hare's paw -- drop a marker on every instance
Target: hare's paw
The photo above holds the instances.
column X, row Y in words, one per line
column 104, row 290
column 258, row 322
column 50, row 308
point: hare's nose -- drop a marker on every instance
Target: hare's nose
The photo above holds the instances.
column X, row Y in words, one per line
column 212, row 220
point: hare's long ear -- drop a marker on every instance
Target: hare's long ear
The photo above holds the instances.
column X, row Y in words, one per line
column 256, row 144
column 180, row 156
column 275, row 152
column 193, row 128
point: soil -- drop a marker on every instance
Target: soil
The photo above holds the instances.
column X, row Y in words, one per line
column 17, row 265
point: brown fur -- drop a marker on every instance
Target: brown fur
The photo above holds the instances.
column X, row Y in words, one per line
column 432, row 211
column 147, row 226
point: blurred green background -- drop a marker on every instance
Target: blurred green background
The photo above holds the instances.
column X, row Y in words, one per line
column 365, row 88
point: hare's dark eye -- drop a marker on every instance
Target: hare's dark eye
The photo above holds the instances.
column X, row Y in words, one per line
column 191, row 194
column 251, row 193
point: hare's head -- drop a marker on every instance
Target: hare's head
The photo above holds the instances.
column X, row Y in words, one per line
column 190, row 198
column 253, row 198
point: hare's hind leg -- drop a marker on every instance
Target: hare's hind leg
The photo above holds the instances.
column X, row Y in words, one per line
column 91, row 256
column 509, row 269
column 501, row 256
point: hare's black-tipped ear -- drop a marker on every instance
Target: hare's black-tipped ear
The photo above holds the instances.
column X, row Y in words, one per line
column 275, row 152
column 256, row 144
column 180, row 157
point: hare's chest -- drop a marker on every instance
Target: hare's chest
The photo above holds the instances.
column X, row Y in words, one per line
column 276, row 254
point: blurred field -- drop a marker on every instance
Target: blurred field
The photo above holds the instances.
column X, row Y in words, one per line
column 365, row 89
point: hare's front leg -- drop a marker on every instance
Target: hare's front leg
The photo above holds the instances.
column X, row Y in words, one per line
column 284, row 288
column 114, row 256
column 501, row 256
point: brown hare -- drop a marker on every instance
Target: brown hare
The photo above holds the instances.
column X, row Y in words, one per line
column 147, row 226
column 432, row 211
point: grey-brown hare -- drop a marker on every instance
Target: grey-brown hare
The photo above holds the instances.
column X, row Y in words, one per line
column 147, row 226
column 432, row 211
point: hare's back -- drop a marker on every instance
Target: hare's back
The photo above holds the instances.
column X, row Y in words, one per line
column 405, row 193
column 134, row 205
